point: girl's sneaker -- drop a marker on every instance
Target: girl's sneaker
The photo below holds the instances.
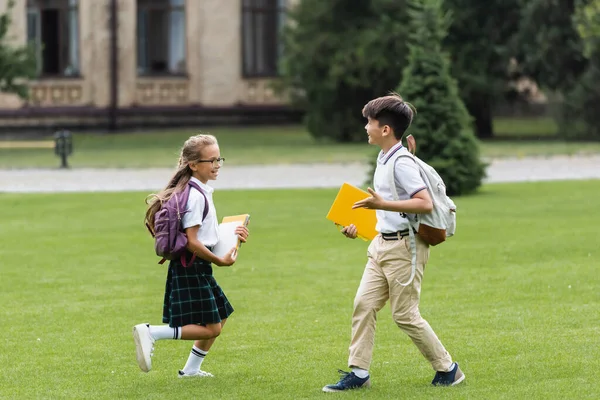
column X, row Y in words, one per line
column 144, row 346
column 199, row 374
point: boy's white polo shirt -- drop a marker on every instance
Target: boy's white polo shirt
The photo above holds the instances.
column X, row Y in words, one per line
column 408, row 182
column 207, row 234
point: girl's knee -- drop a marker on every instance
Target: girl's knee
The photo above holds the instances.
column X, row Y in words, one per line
column 214, row 329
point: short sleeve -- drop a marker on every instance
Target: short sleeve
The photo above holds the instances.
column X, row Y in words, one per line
column 408, row 176
column 195, row 206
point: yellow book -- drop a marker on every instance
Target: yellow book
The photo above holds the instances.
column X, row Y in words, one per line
column 342, row 214
column 227, row 237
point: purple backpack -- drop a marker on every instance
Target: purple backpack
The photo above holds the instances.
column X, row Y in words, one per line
column 170, row 240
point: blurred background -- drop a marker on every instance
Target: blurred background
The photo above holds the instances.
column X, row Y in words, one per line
column 500, row 78
column 505, row 91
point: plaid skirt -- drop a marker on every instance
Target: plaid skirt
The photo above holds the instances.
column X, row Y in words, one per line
column 192, row 296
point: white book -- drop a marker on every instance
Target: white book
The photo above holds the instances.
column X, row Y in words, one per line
column 227, row 237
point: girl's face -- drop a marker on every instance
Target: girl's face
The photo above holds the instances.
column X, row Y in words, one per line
column 207, row 168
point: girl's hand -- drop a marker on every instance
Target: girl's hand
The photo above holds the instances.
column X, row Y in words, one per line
column 242, row 232
column 350, row 231
column 375, row 202
column 228, row 259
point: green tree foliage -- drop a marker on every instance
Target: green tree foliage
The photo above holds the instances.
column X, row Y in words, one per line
column 442, row 124
column 579, row 117
column 587, row 22
column 339, row 54
column 480, row 41
column 548, row 48
column 17, row 63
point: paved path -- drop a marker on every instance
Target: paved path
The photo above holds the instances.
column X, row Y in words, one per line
column 279, row 176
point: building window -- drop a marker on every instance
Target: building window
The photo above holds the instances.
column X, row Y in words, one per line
column 161, row 43
column 262, row 21
column 53, row 28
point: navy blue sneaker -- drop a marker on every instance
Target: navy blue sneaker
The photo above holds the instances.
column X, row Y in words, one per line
column 450, row 378
column 348, row 381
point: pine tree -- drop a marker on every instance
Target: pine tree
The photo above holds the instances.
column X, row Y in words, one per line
column 442, row 125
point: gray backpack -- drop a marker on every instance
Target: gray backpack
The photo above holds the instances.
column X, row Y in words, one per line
column 435, row 227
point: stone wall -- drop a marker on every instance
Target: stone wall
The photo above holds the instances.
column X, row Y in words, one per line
column 213, row 57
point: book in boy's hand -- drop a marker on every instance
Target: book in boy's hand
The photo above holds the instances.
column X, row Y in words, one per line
column 342, row 214
column 227, row 236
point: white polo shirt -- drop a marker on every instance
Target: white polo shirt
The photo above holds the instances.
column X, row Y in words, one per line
column 408, row 183
column 207, row 234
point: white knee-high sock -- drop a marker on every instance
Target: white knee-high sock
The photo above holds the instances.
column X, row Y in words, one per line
column 162, row 332
column 194, row 360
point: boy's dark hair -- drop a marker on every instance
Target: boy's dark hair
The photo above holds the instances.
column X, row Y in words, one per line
column 391, row 110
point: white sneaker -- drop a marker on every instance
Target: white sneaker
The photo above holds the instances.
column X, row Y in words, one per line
column 199, row 374
column 144, row 346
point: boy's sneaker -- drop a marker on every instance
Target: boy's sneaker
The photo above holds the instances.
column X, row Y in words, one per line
column 144, row 346
column 450, row 378
column 197, row 374
column 348, row 381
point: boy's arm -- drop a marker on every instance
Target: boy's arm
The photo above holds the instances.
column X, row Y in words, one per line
column 419, row 203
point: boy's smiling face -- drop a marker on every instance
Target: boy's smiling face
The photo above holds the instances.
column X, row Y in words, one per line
column 376, row 133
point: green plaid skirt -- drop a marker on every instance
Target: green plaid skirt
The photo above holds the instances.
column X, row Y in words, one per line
column 192, row 296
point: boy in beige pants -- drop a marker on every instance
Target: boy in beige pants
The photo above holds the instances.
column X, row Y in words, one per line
column 389, row 254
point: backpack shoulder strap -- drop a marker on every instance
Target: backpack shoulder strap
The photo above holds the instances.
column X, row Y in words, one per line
column 391, row 165
column 198, row 188
column 413, row 244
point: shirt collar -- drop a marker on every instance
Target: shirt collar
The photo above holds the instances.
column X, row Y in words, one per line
column 203, row 186
column 384, row 157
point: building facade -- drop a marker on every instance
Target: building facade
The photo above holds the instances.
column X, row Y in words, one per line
column 120, row 63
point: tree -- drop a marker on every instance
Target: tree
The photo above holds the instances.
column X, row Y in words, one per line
column 548, row 48
column 587, row 23
column 339, row 54
column 579, row 118
column 442, row 124
column 480, row 41
column 17, row 64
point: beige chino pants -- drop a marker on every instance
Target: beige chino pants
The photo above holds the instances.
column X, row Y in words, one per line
column 389, row 261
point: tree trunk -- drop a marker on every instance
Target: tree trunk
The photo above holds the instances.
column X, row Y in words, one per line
column 480, row 109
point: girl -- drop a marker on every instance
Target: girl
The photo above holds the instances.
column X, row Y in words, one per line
column 195, row 307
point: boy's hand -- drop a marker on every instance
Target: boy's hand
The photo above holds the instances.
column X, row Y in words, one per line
column 350, row 231
column 242, row 232
column 375, row 202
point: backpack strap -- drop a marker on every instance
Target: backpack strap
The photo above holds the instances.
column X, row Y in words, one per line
column 413, row 243
column 204, row 214
column 198, row 188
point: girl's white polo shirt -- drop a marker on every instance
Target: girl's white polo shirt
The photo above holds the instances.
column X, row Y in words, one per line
column 208, row 233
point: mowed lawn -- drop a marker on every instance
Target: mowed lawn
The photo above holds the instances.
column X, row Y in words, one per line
column 514, row 297
column 273, row 145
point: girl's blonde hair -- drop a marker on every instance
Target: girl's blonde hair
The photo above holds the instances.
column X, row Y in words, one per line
column 190, row 153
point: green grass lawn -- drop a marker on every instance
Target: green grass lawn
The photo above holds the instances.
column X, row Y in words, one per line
column 514, row 298
column 269, row 145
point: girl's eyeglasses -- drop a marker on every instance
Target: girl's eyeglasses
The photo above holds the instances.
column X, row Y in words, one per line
column 216, row 162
